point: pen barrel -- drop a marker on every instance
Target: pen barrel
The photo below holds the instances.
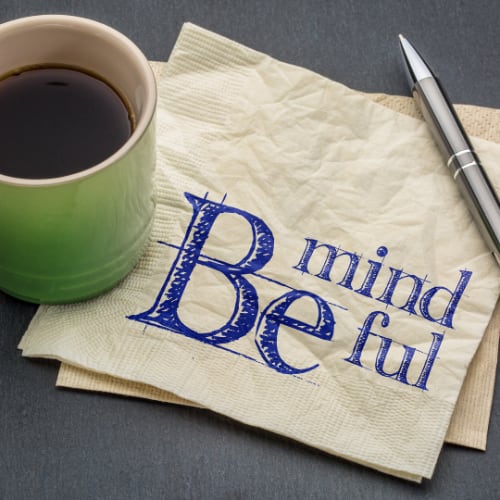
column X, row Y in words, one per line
column 450, row 137
column 441, row 117
column 448, row 133
column 479, row 195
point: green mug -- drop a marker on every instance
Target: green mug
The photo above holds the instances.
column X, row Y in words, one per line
column 70, row 238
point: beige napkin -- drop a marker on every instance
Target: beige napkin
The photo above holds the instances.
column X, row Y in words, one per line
column 469, row 424
column 313, row 270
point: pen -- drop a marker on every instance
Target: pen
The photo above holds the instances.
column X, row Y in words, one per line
column 455, row 146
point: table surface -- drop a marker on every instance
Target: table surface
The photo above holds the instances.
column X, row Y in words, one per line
column 60, row 443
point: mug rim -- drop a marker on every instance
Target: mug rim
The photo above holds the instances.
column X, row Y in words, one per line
column 143, row 123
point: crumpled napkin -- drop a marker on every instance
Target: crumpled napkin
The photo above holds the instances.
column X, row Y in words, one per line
column 313, row 270
column 470, row 421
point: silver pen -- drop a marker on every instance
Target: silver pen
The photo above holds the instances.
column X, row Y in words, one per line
column 455, row 146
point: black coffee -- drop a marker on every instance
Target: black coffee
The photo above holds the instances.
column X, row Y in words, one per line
column 56, row 121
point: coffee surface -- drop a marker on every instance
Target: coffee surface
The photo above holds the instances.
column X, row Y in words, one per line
column 56, row 121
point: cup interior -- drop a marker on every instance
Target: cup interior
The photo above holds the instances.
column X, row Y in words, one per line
column 86, row 44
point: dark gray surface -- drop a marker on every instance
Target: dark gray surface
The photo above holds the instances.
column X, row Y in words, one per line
column 57, row 443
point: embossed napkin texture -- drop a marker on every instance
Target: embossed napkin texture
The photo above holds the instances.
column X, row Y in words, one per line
column 313, row 270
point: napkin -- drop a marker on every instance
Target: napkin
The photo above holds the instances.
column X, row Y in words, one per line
column 470, row 420
column 313, row 270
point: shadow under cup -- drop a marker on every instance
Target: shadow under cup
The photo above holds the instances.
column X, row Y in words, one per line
column 70, row 238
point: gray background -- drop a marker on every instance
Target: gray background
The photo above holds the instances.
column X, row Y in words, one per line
column 57, row 443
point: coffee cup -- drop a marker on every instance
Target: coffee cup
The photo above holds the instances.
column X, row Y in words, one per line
column 73, row 221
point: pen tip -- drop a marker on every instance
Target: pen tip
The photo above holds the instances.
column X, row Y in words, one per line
column 401, row 37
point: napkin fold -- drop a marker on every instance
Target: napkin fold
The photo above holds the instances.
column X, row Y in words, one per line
column 313, row 270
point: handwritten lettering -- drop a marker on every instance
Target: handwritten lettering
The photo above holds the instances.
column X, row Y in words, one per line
column 415, row 297
column 402, row 290
column 164, row 312
column 274, row 316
